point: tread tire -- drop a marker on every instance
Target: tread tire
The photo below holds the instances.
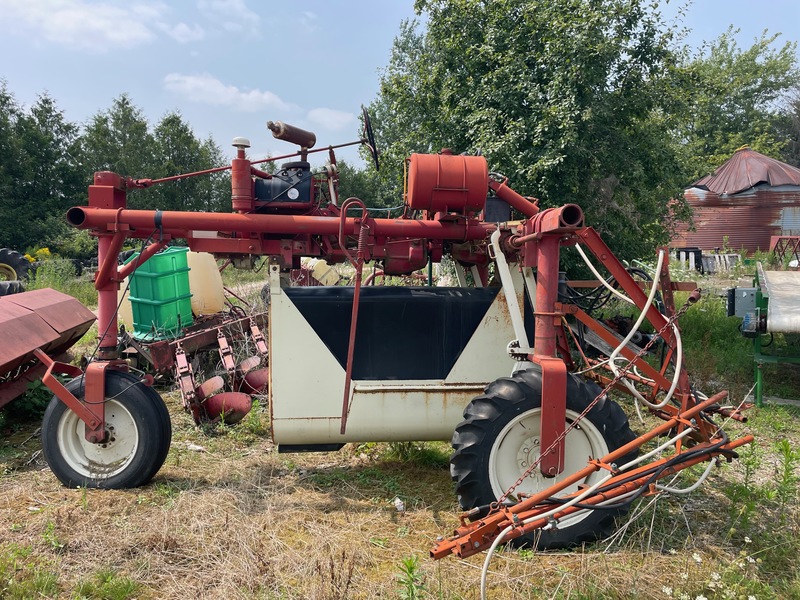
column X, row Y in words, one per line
column 10, row 287
column 504, row 401
column 16, row 261
column 144, row 408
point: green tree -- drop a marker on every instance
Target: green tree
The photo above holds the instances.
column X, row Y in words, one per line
column 41, row 175
column 733, row 99
column 10, row 165
column 789, row 129
column 569, row 99
column 361, row 183
column 177, row 151
column 119, row 140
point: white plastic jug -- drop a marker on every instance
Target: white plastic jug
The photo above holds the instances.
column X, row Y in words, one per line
column 205, row 283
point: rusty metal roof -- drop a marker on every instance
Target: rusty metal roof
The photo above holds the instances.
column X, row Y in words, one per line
column 746, row 169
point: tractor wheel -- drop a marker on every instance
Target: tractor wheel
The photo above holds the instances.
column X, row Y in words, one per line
column 139, row 436
column 500, row 436
column 10, row 287
column 13, row 265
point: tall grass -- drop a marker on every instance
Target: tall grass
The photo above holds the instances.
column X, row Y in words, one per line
column 60, row 274
column 715, row 352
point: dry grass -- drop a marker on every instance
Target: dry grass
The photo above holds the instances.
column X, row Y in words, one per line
column 238, row 520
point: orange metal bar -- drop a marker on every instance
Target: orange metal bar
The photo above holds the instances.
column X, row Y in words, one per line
column 472, row 544
column 146, row 254
column 91, row 413
column 489, row 527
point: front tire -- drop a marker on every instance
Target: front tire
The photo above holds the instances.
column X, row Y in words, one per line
column 499, row 439
column 139, row 436
column 13, row 265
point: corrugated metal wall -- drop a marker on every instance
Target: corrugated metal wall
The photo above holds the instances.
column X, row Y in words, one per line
column 748, row 219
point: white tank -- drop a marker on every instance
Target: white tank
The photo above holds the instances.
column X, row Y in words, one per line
column 125, row 313
column 205, row 283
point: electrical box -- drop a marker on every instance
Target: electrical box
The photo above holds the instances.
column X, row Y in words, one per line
column 741, row 301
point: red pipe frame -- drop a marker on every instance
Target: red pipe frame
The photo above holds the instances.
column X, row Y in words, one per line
column 539, row 243
column 475, row 537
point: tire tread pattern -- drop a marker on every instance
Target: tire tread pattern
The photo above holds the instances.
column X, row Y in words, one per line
column 502, row 401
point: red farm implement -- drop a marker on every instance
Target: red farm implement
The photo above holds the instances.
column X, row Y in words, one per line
column 516, row 371
column 42, row 321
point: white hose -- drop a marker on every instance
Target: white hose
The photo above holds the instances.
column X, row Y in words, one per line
column 600, row 277
column 642, row 315
column 692, row 487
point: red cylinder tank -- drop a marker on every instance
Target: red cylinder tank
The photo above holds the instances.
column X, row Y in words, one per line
column 447, row 183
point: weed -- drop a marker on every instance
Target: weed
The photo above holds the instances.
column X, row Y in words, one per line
column 379, row 542
column 32, row 404
column 412, row 585
column 372, row 480
column 787, row 479
column 333, row 576
column 425, row 454
column 24, row 575
column 51, row 538
column 257, row 420
column 60, row 274
column 106, row 584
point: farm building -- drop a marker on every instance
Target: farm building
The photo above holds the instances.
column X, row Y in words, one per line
column 747, row 203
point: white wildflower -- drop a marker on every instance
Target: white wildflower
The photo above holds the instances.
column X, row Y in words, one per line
column 667, row 590
column 696, row 558
column 715, row 576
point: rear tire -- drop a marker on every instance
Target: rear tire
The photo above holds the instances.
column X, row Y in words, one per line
column 10, row 287
column 499, row 439
column 13, row 263
column 139, row 436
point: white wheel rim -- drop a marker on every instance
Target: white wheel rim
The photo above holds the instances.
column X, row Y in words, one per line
column 517, row 447
column 99, row 461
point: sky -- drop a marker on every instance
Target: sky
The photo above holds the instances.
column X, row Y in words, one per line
column 229, row 66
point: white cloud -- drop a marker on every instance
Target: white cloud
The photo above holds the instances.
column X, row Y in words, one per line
column 231, row 15
column 96, row 26
column 207, row 89
column 183, row 33
column 309, row 21
column 335, row 120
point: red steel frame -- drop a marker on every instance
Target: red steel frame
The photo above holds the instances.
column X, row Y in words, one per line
column 329, row 232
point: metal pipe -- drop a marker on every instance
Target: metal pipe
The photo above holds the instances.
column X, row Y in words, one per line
column 148, row 252
column 108, row 259
column 107, row 298
column 101, row 219
column 544, row 341
column 515, row 200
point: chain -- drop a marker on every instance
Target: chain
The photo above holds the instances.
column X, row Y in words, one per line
column 693, row 297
